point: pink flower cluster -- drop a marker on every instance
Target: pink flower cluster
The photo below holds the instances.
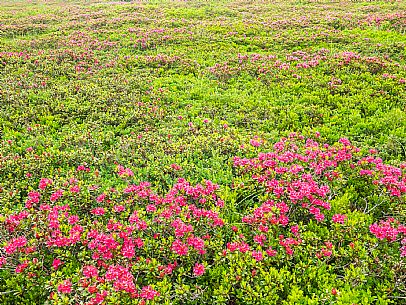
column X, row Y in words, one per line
column 390, row 230
column 124, row 172
column 386, row 229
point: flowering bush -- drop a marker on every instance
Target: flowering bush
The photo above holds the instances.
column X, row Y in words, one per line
column 81, row 245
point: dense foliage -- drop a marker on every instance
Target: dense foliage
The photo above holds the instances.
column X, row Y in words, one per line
column 192, row 152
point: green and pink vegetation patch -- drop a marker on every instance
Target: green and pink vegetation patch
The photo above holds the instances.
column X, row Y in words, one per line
column 83, row 244
column 202, row 152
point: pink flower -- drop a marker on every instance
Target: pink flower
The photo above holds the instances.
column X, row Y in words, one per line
column 175, row 167
column 65, row 287
column 82, row 168
column 90, row 271
column 73, row 219
column 55, row 196
column 74, row 189
column 294, row 229
column 345, row 141
column 101, row 197
column 56, row 263
column 14, row 244
column 260, row 239
column 124, row 172
column 319, row 217
column 148, row 293
column 119, row 208
column 339, row 218
column 271, row 252
column 243, row 247
column 385, row 231
column 98, row 211
column 44, row 182
column 151, row 208
column 255, row 143
column 257, row 255
column 179, row 247
column 20, row 268
column 326, row 252
column 198, row 269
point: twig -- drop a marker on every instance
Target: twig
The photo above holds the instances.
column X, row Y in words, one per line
column 7, row 292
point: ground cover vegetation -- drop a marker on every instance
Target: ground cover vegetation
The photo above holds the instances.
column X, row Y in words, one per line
column 202, row 152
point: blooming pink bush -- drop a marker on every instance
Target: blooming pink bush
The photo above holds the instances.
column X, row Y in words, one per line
column 128, row 243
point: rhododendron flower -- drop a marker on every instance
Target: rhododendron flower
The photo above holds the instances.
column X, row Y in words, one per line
column 119, row 208
column 150, row 208
column 289, row 251
column 386, row 230
column 148, row 293
column 44, row 182
column 90, row 271
column 403, row 248
column 65, row 287
column 74, row 189
column 255, row 143
column 243, row 247
column 55, row 196
column 20, row 268
column 329, row 244
column 319, row 217
column 294, row 229
column 98, row 211
column 14, row 244
column 339, row 218
column 179, row 247
column 82, row 168
column 271, row 252
column 175, row 167
column 56, row 263
column 198, row 269
column 257, row 255
column 124, row 172
column 33, row 198
column 327, row 252
column 260, row 239
column 92, row 289
column 73, row 219
column 101, row 198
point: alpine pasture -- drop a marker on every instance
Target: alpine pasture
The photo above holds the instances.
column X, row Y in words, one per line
column 202, row 152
